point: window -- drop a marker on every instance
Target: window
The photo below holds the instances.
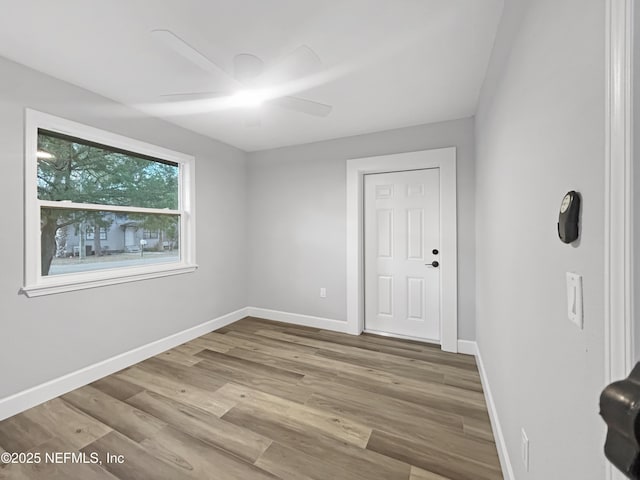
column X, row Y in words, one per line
column 101, row 208
column 90, row 232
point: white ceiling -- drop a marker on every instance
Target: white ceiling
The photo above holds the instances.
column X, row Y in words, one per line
column 387, row 63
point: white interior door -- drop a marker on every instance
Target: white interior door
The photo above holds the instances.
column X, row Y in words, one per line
column 401, row 242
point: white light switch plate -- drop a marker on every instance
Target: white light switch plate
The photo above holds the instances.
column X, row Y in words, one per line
column 574, row 299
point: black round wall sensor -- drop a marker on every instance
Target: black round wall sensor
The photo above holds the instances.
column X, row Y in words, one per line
column 568, row 230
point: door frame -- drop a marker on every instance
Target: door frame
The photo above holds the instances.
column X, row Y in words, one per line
column 618, row 222
column 445, row 160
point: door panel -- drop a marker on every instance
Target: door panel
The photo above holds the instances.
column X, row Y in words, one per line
column 415, row 234
column 384, row 191
column 385, row 295
column 385, row 233
column 402, row 227
column 415, row 298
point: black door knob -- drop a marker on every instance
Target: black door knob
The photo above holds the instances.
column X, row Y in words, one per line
column 433, row 264
column 620, row 409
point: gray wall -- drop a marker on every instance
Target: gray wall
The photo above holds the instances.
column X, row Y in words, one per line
column 44, row 338
column 540, row 132
column 297, row 218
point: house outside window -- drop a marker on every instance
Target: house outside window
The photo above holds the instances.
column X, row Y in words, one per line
column 91, row 232
column 81, row 180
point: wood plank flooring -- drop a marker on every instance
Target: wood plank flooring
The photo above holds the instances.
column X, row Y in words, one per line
column 263, row 400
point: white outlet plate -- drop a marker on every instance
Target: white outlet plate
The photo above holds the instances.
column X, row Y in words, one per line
column 525, row 450
column 323, row 293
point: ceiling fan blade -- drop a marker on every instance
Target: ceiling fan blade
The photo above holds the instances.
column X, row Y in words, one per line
column 247, row 67
column 182, row 48
column 195, row 95
column 301, row 62
column 302, row 105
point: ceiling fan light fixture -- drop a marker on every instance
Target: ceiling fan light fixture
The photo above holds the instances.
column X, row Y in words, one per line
column 300, row 70
column 250, row 98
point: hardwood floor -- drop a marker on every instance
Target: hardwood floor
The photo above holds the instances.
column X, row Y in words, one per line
column 259, row 400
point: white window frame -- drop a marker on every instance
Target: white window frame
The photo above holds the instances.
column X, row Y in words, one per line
column 34, row 283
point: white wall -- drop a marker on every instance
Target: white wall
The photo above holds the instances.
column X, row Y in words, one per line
column 46, row 337
column 297, row 218
column 540, row 133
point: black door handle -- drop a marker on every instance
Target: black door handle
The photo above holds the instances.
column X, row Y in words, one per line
column 620, row 409
column 433, row 264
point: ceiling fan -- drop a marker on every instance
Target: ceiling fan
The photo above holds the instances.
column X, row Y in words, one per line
column 251, row 84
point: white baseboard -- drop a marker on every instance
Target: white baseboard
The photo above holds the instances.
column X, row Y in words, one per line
column 298, row 319
column 468, row 347
column 501, row 445
column 31, row 397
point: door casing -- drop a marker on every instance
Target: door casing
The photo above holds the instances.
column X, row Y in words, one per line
column 618, row 199
column 445, row 160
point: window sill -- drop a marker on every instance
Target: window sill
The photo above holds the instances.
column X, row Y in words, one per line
column 70, row 283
